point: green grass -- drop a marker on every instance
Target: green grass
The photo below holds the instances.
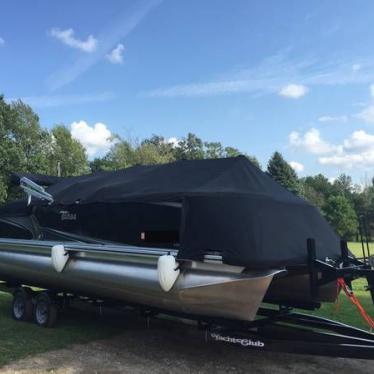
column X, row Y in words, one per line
column 356, row 248
column 346, row 312
column 20, row 339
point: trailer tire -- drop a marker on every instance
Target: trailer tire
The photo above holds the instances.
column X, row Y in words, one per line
column 22, row 305
column 45, row 312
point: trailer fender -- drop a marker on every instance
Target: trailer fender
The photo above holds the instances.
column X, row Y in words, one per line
column 59, row 257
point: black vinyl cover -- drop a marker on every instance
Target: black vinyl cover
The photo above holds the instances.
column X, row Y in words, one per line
column 228, row 206
column 43, row 180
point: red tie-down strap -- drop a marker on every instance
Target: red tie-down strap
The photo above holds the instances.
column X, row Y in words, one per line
column 343, row 286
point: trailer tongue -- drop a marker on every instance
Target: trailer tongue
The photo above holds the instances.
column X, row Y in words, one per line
column 291, row 332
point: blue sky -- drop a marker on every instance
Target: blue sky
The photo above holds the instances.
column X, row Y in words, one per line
column 293, row 76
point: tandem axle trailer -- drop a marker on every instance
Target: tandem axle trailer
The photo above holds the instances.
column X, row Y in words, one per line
column 278, row 329
column 275, row 330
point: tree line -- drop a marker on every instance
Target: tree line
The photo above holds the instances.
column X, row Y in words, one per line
column 26, row 146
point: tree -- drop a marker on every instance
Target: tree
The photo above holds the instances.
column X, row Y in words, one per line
column 320, row 184
column 316, row 189
column 33, row 142
column 101, row 164
column 341, row 215
column 67, row 154
column 24, row 145
column 164, row 148
column 120, row 156
column 283, row 173
column 343, row 186
column 190, row 148
column 214, row 150
column 149, row 154
column 232, row 152
column 314, row 197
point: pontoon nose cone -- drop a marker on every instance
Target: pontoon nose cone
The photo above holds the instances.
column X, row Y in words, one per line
column 168, row 271
column 59, row 257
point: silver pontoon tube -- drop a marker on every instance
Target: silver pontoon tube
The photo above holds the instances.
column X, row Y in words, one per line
column 129, row 274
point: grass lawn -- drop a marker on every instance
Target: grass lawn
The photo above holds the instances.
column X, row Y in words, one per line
column 20, row 339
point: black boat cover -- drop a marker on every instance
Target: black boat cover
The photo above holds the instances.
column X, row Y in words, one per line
column 228, row 206
column 43, row 180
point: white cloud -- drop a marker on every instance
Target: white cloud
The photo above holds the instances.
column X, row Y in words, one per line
column 349, row 161
column 63, row 100
column 173, row 141
column 2, row 41
column 116, row 55
column 311, row 141
column 297, row 166
column 371, row 89
column 271, row 75
column 116, row 30
column 97, row 139
column 293, row 91
column 332, row 180
column 205, row 89
column 356, row 151
column 367, row 114
column 342, row 118
column 67, row 37
column 359, row 140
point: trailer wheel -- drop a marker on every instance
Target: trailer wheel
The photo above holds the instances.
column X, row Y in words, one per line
column 22, row 306
column 45, row 313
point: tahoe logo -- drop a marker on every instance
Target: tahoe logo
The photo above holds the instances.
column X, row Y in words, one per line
column 67, row 216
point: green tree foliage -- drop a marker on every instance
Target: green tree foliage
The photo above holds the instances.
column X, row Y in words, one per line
column 341, row 215
column 190, row 148
column 316, row 189
column 8, row 151
column 157, row 150
column 148, row 154
column 343, row 186
column 120, row 156
column 67, row 154
column 232, row 152
column 101, row 164
column 280, row 170
column 214, row 150
column 161, row 146
column 32, row 142
column 26, row 147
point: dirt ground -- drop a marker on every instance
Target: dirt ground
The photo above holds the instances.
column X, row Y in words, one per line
column 169, row 347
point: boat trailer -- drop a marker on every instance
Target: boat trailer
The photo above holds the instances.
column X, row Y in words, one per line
column 275, row 329
column 287, row 331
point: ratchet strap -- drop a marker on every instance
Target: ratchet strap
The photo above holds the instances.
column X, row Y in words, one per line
column 351, row 296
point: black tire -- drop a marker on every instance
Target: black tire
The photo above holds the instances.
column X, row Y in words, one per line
column 45, row 311
column 22, row 306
